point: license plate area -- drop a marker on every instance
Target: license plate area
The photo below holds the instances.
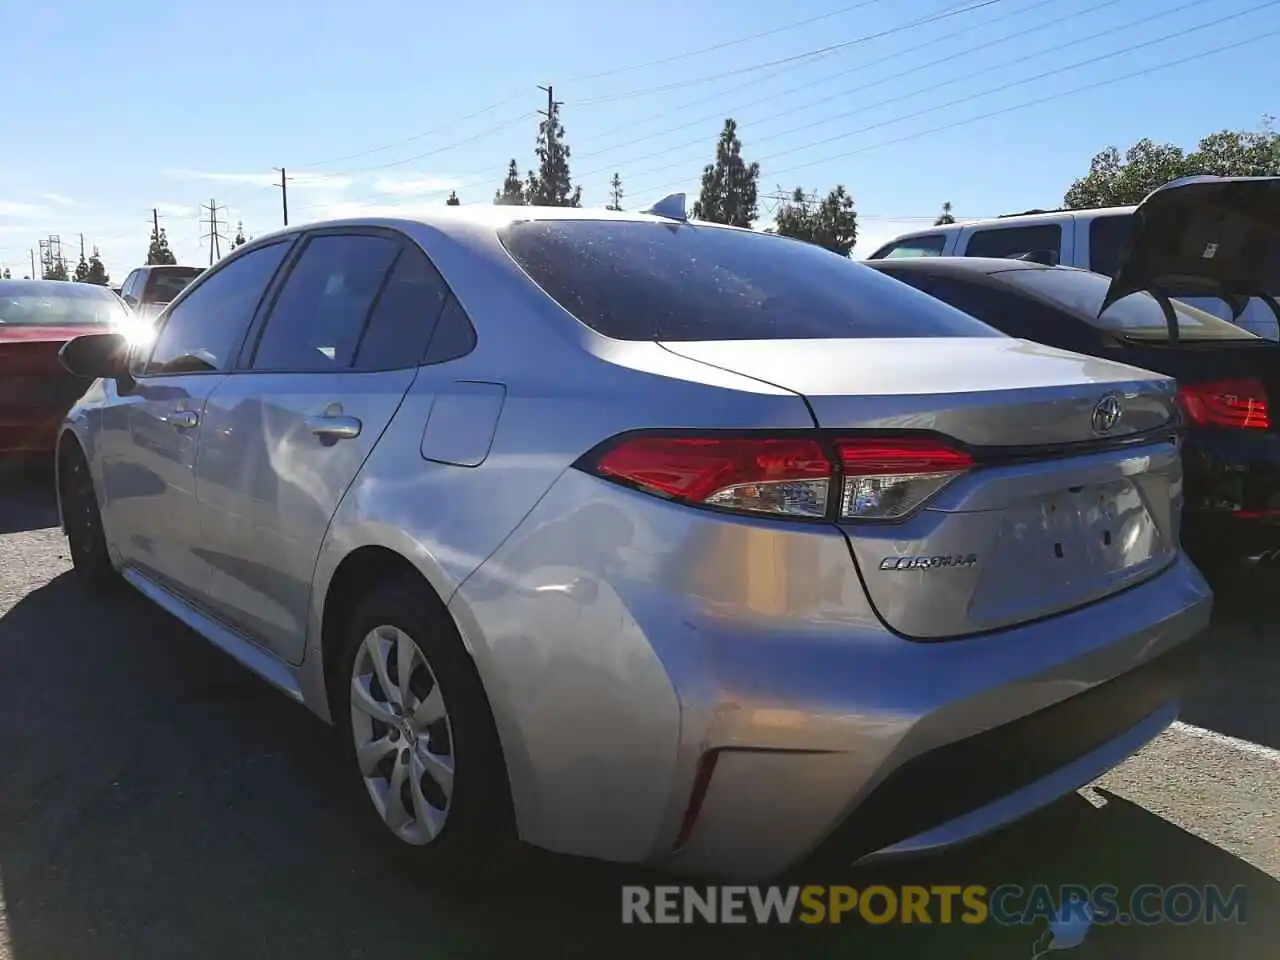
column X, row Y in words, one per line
column 1068, row 547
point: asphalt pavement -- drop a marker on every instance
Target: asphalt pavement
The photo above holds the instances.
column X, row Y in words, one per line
column 158, row 801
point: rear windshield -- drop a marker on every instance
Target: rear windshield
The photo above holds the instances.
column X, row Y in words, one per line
column 1138, row 316
column 639, row 280
column 55, row 304
column 163, row 286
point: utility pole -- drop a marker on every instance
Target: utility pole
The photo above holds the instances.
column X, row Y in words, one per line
column 34, row 275
column 214, row 236
column 82, row 246
column 155, row 224
column 284, row 194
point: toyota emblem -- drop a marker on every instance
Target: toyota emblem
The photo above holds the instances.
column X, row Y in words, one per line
column 1107, row 413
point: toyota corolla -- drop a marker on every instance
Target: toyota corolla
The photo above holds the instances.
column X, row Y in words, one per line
column 645, row 539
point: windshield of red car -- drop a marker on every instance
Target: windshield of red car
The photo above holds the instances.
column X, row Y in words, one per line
column 58, row 304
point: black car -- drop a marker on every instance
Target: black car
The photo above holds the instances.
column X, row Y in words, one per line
column 1199, row 236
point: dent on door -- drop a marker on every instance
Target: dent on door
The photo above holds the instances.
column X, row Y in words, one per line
column 462, row 423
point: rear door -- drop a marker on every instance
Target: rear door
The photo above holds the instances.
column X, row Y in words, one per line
column 287, row 433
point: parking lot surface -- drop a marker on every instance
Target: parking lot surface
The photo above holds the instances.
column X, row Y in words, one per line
column 158, row 801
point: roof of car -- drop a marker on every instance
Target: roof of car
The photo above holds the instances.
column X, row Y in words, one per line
column 486, row 216
column 50, row 286
column 961, row 266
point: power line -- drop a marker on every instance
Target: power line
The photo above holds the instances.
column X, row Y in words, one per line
column 595, row 76
column 723, row 45
column 1039, row 100
column 984, row 93
column 903, row 73
column 417, row 136
column 755, row 82
column 807, row 55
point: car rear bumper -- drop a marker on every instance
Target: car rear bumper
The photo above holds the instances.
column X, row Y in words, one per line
column 716, row 696
column 1232, row 494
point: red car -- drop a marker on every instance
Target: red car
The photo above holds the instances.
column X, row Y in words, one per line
column 36, row 318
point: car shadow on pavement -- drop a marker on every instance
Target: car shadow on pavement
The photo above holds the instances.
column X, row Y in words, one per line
column 158, row 801
column 27, row 500
column 1237, row 694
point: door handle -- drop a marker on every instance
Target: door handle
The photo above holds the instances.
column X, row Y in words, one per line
column 335, row 428
column 183, row 419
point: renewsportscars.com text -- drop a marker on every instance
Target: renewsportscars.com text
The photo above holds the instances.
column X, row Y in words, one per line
column 972, row 904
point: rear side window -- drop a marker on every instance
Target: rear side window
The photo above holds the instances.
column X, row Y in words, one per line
column 1010, row 242
column 930, row 246
column 320, row 314
column 1107, row 239
column 402, row 322
column 634, row 280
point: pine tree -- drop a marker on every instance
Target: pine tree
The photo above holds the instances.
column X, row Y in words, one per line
column 512, row 192
column 82, row 269
column 832, row 223
column 615, row 193
column 97, row 272
column 6, row 275
column 57, row 271
column 159, row 252
column 552, row 186
column 945, row 217
column 453, row 200
column 239, row 240
column 729, row 185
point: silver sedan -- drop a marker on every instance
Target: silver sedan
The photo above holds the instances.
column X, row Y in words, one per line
column 644, row 539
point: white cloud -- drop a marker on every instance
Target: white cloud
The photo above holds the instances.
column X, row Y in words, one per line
column 176, row 209
column 58, row 198
column 415, row 186
column 11, row 208
column 304, row 181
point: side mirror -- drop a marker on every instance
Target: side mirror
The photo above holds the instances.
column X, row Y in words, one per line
column 96, row 356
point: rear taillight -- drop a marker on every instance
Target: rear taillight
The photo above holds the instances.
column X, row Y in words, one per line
column 799, row 477
column 888, row 479
column 1241, row 404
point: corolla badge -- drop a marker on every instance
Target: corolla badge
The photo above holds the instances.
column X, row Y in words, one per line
column 929, row 563
column 1107, row 413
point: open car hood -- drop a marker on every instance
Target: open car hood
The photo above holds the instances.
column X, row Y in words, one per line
column 1214, row 236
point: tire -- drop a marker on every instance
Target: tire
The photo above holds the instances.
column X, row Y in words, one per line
column 83, row 522
column 468, row 834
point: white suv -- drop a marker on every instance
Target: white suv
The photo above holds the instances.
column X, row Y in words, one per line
column 1091, row 239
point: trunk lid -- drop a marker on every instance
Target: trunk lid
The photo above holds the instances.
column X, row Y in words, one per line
column 1214, row 235
column 1061, row 507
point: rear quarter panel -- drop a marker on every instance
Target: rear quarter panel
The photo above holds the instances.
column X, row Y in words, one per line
column 564, row 390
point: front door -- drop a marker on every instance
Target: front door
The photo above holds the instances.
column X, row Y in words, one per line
column 287, row 433
column 152, row 487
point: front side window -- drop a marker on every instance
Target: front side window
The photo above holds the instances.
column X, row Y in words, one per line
column 25, row 303
column 1138, row 315
column 204, row 331
column 930, row 246
column 638, row 280
column 1010, row 242
column 320, row 314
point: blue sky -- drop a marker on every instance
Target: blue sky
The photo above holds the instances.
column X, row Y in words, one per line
column 110, row 110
